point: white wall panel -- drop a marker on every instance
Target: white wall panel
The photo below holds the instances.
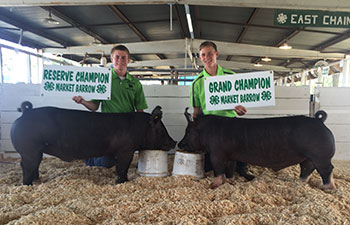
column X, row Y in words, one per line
column 340, row 118
column 342, row 151
column 331, row 96
column 336, row 102
column 6, row 144
column 8, row 117
column 292, row 92
column 166, row 91
column 341, row 132
column 173, row 100
column 5, row 130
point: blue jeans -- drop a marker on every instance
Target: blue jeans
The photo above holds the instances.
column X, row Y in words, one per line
column 104, row 161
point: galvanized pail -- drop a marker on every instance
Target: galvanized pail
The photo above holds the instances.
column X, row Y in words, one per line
column 153, row 163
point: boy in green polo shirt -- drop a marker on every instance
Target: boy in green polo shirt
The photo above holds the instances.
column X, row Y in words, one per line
column 126, row 96
column 208, row 54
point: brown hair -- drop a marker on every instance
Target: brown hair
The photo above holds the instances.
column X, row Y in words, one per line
column 120, row 48
column 208, row 44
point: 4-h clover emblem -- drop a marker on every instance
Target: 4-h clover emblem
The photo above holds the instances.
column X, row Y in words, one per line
column 281, row 18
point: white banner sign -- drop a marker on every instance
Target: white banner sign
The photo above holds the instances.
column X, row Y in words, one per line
column 69, row 81
column 255, row 89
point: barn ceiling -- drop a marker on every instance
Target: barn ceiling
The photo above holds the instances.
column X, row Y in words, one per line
column 158, row 36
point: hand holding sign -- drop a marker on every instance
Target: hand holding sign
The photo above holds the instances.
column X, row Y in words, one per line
column 240, row 110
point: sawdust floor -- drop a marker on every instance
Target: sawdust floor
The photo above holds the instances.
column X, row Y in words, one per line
column 72, row 193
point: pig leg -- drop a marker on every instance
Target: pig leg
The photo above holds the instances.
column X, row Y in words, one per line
column 325, row 170
column 123, row 160
column 242, row 170
column 240, row 167
column 207, row 164
column 217, row 181
column 30, row 167
column 219, row 166
column 306, row 168
column 230, row 167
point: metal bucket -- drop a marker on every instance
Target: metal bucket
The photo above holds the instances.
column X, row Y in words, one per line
column 153, row 163
column 186, row 163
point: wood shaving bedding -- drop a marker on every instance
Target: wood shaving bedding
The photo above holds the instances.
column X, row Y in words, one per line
column 72, row 193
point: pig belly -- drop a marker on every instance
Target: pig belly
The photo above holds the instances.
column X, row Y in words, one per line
column 69, row 152
column 282, row 163
column 273, row 160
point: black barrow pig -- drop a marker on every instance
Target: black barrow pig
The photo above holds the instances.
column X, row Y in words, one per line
column 73, row 134
column 271, row 142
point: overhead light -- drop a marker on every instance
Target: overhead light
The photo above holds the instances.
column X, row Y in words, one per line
column 285, row 46
column 266, row 59
column 171, row 16
column 258, row 64
column 189, row 20
column 51, row 20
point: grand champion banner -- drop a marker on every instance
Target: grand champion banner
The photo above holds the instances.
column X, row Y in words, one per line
column 69, row 81
column 255, row 89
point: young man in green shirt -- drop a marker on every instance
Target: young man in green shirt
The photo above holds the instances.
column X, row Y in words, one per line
column 126, row 96
column 208, row 55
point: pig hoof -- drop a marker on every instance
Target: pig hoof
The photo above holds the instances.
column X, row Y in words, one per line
column 329, row 186
column 249, row 177
column 213, row 185
column 304, row 179
column 120, row 181
column 229, row 176
column 217, row 181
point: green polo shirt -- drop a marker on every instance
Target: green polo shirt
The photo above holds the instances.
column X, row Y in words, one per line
column 126, row 95
column 197, row 94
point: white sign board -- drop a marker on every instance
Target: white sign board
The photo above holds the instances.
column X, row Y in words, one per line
column 255, row 89
column 69, row 81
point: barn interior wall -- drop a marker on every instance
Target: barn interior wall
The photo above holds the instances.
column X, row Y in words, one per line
column 1, row 150
column 336, row 102
column 172, row 98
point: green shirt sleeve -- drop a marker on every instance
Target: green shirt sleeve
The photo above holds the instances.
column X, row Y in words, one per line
column 194, row 95
column 140, row 100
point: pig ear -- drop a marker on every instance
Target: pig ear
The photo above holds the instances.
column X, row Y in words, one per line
column 157, row 113
column 188, row 116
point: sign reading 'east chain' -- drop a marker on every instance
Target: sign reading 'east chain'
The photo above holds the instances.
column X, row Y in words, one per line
column 311, row 18
column 254, row 89
column 68, row 81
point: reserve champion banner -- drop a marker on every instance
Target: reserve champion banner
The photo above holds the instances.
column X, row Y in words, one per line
column 255, row 89
column 69, row 81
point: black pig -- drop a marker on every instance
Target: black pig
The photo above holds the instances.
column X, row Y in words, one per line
column 271, row 142
column 74, row 134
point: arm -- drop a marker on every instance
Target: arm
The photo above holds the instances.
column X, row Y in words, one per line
column 195, row 101
column 196, row 111
column 90, row 105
